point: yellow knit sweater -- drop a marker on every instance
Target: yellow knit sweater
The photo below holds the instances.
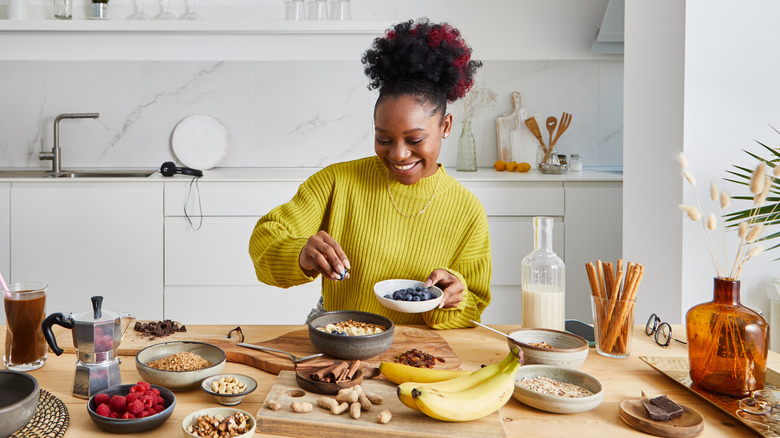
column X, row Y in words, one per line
column 351, row 202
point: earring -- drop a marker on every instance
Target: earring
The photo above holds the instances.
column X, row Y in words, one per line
column 444, row 136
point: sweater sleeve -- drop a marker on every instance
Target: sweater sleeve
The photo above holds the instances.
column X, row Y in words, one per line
column 474, row 271
column 280, row 235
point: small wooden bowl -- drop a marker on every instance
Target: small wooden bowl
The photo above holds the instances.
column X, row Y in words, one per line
column 331, row 388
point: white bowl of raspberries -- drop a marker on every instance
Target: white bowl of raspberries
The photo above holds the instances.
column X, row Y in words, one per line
column 407, row 296
column 131, row 408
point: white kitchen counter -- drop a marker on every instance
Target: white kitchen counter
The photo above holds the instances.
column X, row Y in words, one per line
column 259, row 174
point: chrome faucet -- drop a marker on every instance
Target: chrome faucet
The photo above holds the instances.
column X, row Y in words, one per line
column 56, row 153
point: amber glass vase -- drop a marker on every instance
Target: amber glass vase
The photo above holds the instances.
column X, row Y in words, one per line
column 727, row 343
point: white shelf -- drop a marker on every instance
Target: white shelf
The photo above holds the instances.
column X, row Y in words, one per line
column 201, row 27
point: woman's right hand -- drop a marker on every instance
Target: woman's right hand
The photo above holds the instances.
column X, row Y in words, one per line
column 322, row 254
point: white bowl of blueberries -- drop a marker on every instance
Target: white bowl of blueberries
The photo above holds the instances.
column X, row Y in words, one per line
column 407, row 296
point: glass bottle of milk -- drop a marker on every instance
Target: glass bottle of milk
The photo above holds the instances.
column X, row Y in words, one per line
column 543, row 279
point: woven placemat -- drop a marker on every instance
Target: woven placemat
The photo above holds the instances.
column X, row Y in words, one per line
column 50, row 421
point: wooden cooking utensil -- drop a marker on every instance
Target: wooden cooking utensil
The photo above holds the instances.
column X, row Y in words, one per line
column 552, row 122
column 562, row 127
column 534, row 127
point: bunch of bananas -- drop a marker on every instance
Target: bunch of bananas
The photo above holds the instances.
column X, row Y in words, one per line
column 455, row 395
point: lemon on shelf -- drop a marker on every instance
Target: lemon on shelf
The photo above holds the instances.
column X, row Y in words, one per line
column 511, row 166
column 500, row 165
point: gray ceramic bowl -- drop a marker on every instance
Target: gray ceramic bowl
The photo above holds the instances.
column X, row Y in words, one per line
column 568, row 350
column 229, row 399
column 179, row 379
column 18, row 400
column 132, row 425
column 351, row 347
column 190, row 420
column 558, row 404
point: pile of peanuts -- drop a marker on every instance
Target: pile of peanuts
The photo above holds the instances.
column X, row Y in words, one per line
column 351, row 399
column 227, row 385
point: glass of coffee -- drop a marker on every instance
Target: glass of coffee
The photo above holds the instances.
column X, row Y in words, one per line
column 25, row 310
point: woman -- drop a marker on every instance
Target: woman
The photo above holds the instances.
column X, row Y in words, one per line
column 397, row 214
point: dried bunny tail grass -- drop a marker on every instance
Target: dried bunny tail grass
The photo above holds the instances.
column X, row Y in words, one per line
column 776, row 170
column 689, row 177
column 742, row 230
column 754, row 251
column 714, row 191
column 683, row 160
column 725, row 200
column 755, row 232
column 757, row 180
column 712, row 223
column 691, row 211
column 759, row 199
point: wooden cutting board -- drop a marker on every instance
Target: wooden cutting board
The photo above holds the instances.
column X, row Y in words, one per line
column 320, row 423
column 296, row 342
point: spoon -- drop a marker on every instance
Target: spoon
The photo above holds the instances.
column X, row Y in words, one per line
column 552, row 123
column 491, row 329
column 293, row 357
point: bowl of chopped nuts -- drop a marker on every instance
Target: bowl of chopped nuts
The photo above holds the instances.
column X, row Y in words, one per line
column 407, row 296
column 349, row 334
column 557, row 389
column 179, row 364
column 229, row 389
column 234, row 423
column 549, row 347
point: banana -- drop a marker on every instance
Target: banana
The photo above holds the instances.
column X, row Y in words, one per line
column 469, row 380
column 469, row 404
column 400, row 373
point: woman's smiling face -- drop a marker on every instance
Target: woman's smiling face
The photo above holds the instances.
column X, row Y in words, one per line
column 407, row 137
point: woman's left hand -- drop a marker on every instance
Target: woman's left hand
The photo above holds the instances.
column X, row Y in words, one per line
column 449, row 284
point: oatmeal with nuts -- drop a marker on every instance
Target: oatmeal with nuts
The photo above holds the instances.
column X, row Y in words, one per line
column 352, row 328
column 184, row 361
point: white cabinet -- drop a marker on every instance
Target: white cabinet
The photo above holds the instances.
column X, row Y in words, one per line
column 209, row 276
column 5, row 237
column 90, row 238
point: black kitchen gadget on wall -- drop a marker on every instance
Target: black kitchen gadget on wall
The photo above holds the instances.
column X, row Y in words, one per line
column 169, row 168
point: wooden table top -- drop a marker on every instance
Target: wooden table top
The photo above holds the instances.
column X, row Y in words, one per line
column 622, row 378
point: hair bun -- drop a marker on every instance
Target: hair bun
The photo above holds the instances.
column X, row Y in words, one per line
column 419, row 51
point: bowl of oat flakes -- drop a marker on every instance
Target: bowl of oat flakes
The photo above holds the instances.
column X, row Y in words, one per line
column 549, row 347
column 179, row 364
column 349, row 334
column 557, row 389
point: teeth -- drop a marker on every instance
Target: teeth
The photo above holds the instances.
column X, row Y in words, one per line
column 404, row 167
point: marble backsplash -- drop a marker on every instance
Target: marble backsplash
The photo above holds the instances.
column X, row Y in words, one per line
column 278, row 113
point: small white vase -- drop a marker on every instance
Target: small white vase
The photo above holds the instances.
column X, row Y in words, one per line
column 99, row 11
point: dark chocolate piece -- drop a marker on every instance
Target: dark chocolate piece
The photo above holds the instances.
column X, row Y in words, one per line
column 673, row 409
column 655, row 412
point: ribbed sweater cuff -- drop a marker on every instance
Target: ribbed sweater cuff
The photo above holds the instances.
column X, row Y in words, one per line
column 285, row 254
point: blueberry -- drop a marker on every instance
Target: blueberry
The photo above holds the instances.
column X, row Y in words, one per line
column 408, row 298
column 409, row 290
column 425, row 296
column 416, row 299
column 418, row 289
column 389, row 297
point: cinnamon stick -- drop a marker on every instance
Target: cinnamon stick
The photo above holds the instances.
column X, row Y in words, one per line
column 340, row 370
column 313, row 365
column 322, row 372
column 353, row 369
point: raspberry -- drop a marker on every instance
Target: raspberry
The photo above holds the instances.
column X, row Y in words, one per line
column 132, row 396
column 155, row 391
column 159, row 400
column 145, row 385
column 144, row 414
column 118, row 403
column 158, row 408
column 137, row 389
column 127, row 416
column 135, row 407
column 114, row 414
column 149, row 399
column 101, row 398
column 103, row 410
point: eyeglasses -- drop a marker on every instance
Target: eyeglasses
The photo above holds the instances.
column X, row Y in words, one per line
column 660, row 330
column 760, row 408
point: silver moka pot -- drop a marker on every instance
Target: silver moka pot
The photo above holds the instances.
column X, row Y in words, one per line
column 96, row 336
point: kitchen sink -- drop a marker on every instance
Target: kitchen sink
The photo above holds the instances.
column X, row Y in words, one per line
column 92, row 173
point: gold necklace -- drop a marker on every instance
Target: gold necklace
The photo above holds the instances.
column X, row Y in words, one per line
column 387, row 181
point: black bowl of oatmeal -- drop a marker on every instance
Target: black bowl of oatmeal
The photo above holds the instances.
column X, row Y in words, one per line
column 349, row 334
column 179, row 364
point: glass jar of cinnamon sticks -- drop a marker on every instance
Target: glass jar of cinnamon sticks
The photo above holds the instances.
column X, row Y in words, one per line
column 613, row 300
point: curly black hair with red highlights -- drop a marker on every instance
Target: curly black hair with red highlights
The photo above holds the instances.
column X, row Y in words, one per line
column 429, row 61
